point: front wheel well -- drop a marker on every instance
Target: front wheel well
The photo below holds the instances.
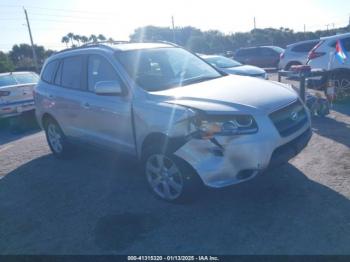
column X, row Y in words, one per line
column 162, row 141
column 45, row 118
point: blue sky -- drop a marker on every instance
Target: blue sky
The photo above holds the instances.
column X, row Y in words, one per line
column 50, row 20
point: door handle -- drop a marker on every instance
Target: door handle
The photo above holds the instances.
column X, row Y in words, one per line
column 50, row 96
column 86, row 105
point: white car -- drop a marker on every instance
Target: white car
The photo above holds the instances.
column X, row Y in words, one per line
column 232, row 67
column 296, row 54
column 16, row 93
column 324, row 56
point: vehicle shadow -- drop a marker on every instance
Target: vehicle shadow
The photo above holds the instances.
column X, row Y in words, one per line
column 343, row 107
column 332, row 129
column 14, row 128
column 99, row 204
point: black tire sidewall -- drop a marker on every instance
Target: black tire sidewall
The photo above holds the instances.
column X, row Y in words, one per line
column 63, row 153
column 191, row 180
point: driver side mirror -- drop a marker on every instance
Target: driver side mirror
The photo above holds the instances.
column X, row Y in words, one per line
column 107, row 88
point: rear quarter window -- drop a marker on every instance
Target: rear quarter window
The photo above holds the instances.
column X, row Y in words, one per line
column 49, row 71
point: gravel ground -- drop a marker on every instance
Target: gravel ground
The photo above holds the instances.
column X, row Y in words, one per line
column 97, row 203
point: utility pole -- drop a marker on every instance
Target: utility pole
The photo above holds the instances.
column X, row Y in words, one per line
column 254, row 23
column 327, row 25
column 173, row 24
column 31, row 41
column 304, row 28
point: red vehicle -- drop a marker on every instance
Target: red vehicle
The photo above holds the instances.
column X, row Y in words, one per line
column 262, row 56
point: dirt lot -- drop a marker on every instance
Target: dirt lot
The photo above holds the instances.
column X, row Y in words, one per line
column 98, row 203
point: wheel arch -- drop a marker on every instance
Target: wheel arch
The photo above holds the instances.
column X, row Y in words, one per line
column 291, row 63
column 157, row 139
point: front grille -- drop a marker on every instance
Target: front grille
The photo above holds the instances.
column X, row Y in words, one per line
column 289, row 119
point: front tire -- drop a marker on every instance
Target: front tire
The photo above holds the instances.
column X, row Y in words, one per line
column 169, row 177
column 56, row 139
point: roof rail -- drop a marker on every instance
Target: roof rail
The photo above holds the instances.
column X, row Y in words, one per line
column 94, row 44
column 115, row 42
column 162, row 42
column 106, row 42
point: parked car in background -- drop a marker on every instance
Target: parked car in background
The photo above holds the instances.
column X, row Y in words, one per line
column 296, row 54
column 337, row 62
column 188, row 123
column 262, row 56
column 233, row 67
column 16, row 93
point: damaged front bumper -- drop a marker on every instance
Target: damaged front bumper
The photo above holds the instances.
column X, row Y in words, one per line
column 231, row 160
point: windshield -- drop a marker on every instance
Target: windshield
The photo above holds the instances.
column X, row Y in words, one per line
column 163, row 68
column 222, row 62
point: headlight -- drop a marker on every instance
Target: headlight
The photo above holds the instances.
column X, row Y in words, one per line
column 226, row 126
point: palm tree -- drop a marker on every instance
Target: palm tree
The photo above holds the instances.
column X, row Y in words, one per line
column 77, row 38
column 84, row 39
column 65, row 40
column 70, row 36
column 101, row 37
column 93, row 38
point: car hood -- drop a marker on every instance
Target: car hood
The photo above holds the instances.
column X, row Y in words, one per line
column 230, row 93
column 244, row 70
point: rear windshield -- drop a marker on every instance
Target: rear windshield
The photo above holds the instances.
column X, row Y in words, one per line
column 304, row 47
column 7, row 80
column 277, row 49
column 26, row 78
column 18, row 79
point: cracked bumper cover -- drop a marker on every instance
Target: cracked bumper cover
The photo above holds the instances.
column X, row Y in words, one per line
column 248, row 154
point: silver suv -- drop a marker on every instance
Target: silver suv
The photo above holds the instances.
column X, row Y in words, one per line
column 186, row 122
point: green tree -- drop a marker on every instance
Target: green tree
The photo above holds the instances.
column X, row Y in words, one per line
column 6, row 64
column 101, row 37
column 65, row 40
column 70, row 36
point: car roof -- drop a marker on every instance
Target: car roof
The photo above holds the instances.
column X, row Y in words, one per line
column 120, row 46
column 210, row 56
column 268, row 46
column 303, row 42
column 334, row 37
column 138, row 46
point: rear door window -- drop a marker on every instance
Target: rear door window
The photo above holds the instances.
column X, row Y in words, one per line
column 72, row 72
column 49, row 71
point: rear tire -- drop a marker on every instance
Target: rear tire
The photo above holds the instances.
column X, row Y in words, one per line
column 169, row 177
column 56, row 139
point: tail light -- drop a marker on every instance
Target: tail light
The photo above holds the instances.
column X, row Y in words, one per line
column 314, row 54
column 5, row 93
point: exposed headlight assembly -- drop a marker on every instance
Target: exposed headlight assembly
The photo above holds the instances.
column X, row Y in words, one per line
column 226, row 126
